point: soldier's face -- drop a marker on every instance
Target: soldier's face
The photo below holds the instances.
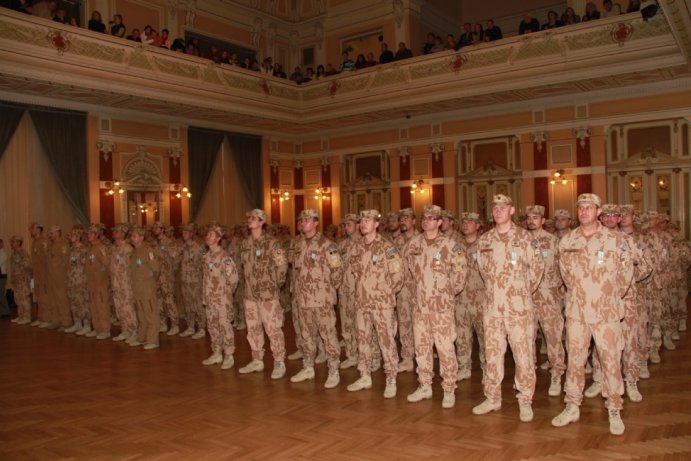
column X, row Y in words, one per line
column 626, row 219
column 562, row 223
column 253, row 222
column 186, row 235
column 610, row 220
column 392, row 224
column 406, row 223
column 212, row 238
column 350, row 227
column 92, row 236
column 157, row 231
column 309, row 226
column 534, row 221
column 588, row 213
column 430, row 223
column 35, row 231
column 54, row 235
column 502, row 213
column 136, row 238
column 368, row 226
column 446, row 224
column 469, row 227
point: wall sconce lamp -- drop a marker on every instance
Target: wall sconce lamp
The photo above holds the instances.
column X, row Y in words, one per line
column 115, row 187
column 321, row 193
column 283, row 195
column 182, row 191
column 558, row 176
column 418, row 187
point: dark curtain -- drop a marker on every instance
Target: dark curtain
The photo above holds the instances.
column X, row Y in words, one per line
column 10, row 117
column 63, row 136
column 247, row 155
column 203, row 146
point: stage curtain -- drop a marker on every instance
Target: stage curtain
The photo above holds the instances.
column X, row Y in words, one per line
column 203, row 146
column 246, row 153
column 10, row 116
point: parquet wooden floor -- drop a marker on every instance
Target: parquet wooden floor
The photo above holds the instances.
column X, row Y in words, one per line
column 72, row 398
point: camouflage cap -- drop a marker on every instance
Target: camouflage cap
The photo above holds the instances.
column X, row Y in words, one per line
column 589, row 198
column 122, row 227
column 610, row 209
column 663, row 217
column 535, row 209
column 406, row 213
column 309, row 213
column 351, row 217
column 432, row 210
column 651, row 214
column 17, row 238
column 94, row 228
column 370, row 214
column 55, row 228
column 257, row 213
column 189, row 227
column 392, row 215
column 75, row 233
column 137, row 230
column 561, row 213
column 627, row 209
column 448, row 214
column 35, row 224
column 501, row 199
column 158, row 224
column 218, row 230
column 549, row 223
column 470, row 216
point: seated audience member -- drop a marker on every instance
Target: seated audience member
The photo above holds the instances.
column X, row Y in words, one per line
column 591, row 12
column 528, row 24
column 330, row 70
column 466, row 37
column 403, row 52
column 634, row 5
column 297, row 75
column 360, row 61
column 178, row 45
column 429, row 44
column 117, row 28
column 648, row 9
column 96, row 23
column 370, row 60
column 267, row 66
column 164, row 39
column 450, row 43
column 73, row 22
column 213, row 54
column 225, row 57
column 60, row 16
column 552, row 21
column 570, row 17
column 247, row 64
column 347, row 64
column 386, row 54
column 321, row 72
column 478, row 33
column 279, row 72
column 610, row 9
column 492, row 32
column 309, row 75
column 154, row 38
column 146, row 35
column 191, row 49
column 234, row 59
column 438, row 45
column 23, row 6
column 135, row 36
column 44, row 9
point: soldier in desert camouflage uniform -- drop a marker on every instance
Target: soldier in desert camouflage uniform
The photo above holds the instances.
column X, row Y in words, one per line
column 39, row 265
column 405, row 297
column 97, row 271
column 76, row 285
column 144, row 268
column 512, row 267
column 58, row 257
column 392, row 230
column 548, row 298
column 19, row 280
column 562, row 222
column 346, row 292
column 448, row 226
column 220, row 282
column 437, row 266
column 470, row 303
column 191, row 274
column 169, row 254
column 378, row 271
column 597, row 268
column 122, row 285
column 264, row 263
column 318, row 274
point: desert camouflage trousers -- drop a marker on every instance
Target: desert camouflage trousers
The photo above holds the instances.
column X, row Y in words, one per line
column 194, row 311
column 404, row 310
column 219, row 323
column 469, row 319
column 319, row 321
column 518, row 332
column 435, row 329
column 79, row 301
column 261, row 316
column 166, row 299
column 123, row 300
column 346, row 310
column 679, row 294
column 608, row 343
column 659, row 315
column 22, row 298
column 547, row 302
column 382, row 322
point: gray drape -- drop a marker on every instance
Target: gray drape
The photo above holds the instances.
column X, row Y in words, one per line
column 10, row 116
column 246, row 152
column 203, row 146
column 63, row 136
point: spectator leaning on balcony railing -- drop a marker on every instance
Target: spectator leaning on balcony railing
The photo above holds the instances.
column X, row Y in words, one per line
column 450, row 42
column 117, row 28
column 330, row 70
column 164, row 39
column 478, row 33
column 429, row 44
column 347, row 63
column 466, row 37
column 438, row 45
column 403, row 52
column 96, row 23
column 297, row 75
column 279, row 72
column 321, row 72
column 528, row 24
column 552, row 21
column 309, row 75
column 178, row 45
column 60, row 16
column 610, row 9
column 386, row 54
column 370, row 60
column 360, row 61
column 135, row 36
column 591, row 12
column 570, row 17
column 492, row 32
